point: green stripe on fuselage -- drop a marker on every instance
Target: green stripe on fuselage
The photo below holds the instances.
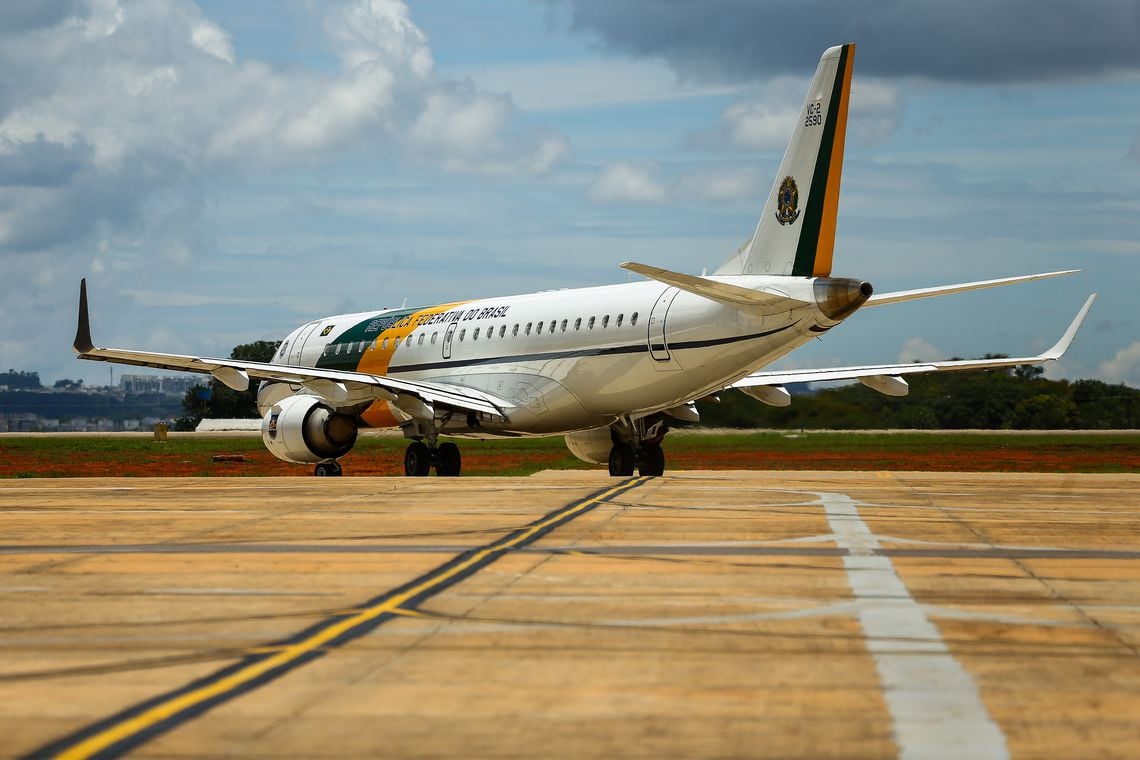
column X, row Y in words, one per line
column 348, row 342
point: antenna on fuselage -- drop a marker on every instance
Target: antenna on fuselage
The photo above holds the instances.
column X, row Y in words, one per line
column 405, row 303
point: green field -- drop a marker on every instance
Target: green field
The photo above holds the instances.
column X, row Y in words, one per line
column 192, row 455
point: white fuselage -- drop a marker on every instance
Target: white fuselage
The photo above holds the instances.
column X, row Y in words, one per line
column 576, row 359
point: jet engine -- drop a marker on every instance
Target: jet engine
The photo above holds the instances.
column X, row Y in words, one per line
column 301, row 429
column 591, row 445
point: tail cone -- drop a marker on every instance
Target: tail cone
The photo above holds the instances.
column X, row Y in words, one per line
column 838, row 298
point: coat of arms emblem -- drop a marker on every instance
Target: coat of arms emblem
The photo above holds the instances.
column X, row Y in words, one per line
column 787, row 201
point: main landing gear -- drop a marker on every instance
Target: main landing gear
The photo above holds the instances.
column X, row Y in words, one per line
column 644, row 452
column 420, row 458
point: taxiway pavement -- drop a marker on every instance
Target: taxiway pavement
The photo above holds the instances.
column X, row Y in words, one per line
column 568, row 614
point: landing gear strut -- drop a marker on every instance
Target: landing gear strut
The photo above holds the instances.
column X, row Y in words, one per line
column 644, row 451
column 420, row 458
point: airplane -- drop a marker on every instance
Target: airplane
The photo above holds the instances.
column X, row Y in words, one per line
column 610, row 368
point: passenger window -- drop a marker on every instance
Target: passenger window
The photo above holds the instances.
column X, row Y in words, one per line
column 633, row 319
column 515, row 331
column 538, row 330
column 619, row 319
column 592, row 323
column 420, row 340
column 408, row 342
column 552, row 323
column 605, row 321
column 374, row 342
column 462, row 333
column 578, row 323
column 434, row 335
column 384, row 345
column 475, row 335
column 503, row 331
column 564, row 325
column 490, row 333
column 338, row 349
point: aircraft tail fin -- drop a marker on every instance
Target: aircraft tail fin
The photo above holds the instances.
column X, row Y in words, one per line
column 796, row 233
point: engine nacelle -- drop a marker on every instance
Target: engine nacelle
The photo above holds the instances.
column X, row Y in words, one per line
column 301, row 429
column 591, row 445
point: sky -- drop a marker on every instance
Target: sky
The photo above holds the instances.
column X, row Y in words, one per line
column 223, row 172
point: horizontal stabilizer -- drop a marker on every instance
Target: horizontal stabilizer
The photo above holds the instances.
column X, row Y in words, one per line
column 944, row 290
column 895, row 370
column 734, row 296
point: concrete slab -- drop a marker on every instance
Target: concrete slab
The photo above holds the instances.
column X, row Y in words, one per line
column 700, row 614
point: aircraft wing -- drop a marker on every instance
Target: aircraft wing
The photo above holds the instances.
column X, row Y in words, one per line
column 339, row 387
column 867, row 372
column 882, row 299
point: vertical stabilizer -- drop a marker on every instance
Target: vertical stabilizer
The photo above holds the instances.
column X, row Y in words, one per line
column 796, row 233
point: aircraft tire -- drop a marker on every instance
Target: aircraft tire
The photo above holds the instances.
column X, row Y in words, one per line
column 328, row 469
column 417, row 459
column 622, row 460
column 651, row 460
column 448, row 461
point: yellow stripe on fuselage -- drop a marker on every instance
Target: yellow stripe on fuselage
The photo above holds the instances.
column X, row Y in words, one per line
column 378, row 358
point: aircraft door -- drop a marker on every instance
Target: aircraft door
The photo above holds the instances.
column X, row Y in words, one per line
column 658, row 344
column 299, row 344
column 450, row 331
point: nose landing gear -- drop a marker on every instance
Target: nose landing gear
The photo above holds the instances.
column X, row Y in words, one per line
column 328, row 469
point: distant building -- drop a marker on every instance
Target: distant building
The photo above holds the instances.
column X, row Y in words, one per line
column 157, row 384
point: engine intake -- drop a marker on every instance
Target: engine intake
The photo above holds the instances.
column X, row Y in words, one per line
column 302, row 430
column 591, row 445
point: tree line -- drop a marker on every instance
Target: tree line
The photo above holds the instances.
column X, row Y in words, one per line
column 1015, row 399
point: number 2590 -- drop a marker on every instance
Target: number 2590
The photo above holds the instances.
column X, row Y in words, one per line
column 814, row 116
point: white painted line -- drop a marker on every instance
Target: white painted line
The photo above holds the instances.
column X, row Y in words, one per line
column 935, row 706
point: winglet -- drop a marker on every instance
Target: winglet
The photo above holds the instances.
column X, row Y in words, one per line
column 1063, row 344
column 83, row 343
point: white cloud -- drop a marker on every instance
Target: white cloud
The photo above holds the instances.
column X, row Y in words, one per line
column 722, row 184
column 765, row 119
column 115, row 115
column 380, row 31
column 587, row 83
column 876, row 111
column 1124, row 367
column 107, row 107
column 918, row 350
column 627, row 183
column 213, row 40
column 758, row 125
